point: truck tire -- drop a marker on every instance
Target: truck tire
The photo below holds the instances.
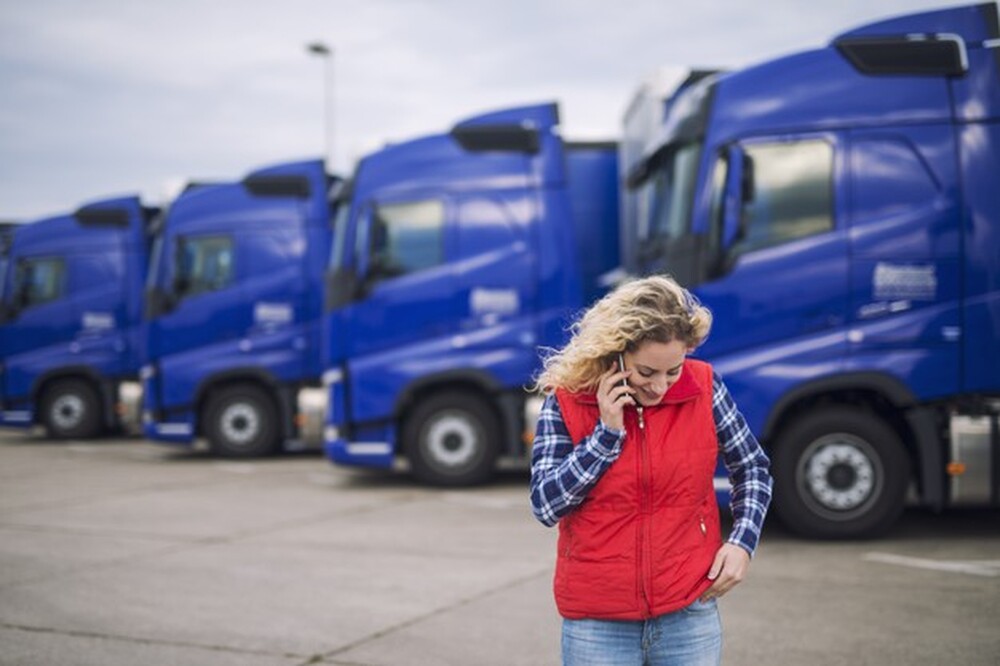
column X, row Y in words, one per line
column 452, row 439
column 71, row 409
column 241, row 422
column 839, row 473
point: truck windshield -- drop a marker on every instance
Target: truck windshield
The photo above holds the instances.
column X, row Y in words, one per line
column 664, row 200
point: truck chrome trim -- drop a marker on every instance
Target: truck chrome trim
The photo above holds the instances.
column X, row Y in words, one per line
column 333, row 376
column 369, row 448
column 173, row 429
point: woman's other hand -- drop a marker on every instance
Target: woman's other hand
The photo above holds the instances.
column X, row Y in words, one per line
column 728, row 570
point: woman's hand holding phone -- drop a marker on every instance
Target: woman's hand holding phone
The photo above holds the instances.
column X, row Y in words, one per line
column 613, row 393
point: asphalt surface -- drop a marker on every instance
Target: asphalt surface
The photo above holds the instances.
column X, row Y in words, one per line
column 126, row 552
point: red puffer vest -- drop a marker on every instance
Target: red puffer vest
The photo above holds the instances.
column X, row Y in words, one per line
column 642, row 542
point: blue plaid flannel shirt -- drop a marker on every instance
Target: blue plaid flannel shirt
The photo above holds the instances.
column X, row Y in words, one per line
column 562, row 475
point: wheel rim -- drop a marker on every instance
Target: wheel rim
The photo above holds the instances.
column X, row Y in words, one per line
column 452, row 441
column 239, row 423
column 68, row 411
column 840, row 476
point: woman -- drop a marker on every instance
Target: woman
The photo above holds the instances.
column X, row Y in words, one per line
column 623, row 460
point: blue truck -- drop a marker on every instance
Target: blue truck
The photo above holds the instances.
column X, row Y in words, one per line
column 837, row 209
column 233, row 304
column 455, row 256
column 70, row 318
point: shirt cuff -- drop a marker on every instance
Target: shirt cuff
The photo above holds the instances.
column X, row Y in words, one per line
column 607, row 441
column 745, row 539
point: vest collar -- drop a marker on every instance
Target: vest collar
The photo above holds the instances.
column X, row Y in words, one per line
column 686, row 388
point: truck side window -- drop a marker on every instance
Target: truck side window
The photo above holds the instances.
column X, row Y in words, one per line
column 406, row 237
column 38, row 281
column 205, row 264
column 791, row 195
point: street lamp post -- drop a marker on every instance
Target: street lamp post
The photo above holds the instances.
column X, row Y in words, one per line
column 323, row 51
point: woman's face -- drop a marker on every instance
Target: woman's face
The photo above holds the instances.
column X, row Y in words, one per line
column 655, row 366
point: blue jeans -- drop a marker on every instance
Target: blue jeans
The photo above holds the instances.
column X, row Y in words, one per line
column 691, row 636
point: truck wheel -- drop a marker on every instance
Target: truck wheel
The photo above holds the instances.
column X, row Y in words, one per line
column 242, row 422
column 840, row 473
column 71, row 409
column 452, row 439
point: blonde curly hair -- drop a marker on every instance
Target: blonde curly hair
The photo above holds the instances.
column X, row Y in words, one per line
column 649, row 309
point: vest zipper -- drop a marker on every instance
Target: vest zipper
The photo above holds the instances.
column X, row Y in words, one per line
column 645, row 517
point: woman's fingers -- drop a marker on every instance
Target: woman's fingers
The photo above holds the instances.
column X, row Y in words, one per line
column 618, row 392
column 612, row 396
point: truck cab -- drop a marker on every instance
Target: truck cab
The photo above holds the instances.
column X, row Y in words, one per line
column 70, row 313
column 455, row 257
column 233, row 305
column 836, row 212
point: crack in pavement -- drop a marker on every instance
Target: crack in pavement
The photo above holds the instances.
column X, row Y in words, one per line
column 309, row 660
column 149, row 641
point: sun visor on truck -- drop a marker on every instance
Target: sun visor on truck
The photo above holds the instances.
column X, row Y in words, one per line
column 262, row 185
column 931, row 55
column 102, row 217
column 505, row 138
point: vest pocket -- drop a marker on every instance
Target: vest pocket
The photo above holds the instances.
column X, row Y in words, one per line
column 599, row 536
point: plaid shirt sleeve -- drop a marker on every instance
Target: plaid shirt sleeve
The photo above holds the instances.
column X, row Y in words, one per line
column 561, row 474
column 748, row 466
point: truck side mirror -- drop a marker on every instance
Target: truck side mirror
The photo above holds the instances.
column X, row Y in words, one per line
column 180, row 285
column 341, row 288
column 748, row 187
column 22, row 297
column 159, row 303
column 740, row 190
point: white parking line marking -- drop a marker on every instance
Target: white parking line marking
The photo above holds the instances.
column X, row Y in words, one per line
column 988, row 568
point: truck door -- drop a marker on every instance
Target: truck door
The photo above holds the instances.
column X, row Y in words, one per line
column 41, row 314
column 779, row 288
column 207, row 315
column 408, row 296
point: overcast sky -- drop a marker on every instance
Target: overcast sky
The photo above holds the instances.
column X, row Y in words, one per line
column 109, row 97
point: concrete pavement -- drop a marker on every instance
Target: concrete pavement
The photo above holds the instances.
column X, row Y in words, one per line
column 125, row 552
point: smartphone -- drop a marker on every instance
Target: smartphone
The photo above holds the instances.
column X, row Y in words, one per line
column 638, row 407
